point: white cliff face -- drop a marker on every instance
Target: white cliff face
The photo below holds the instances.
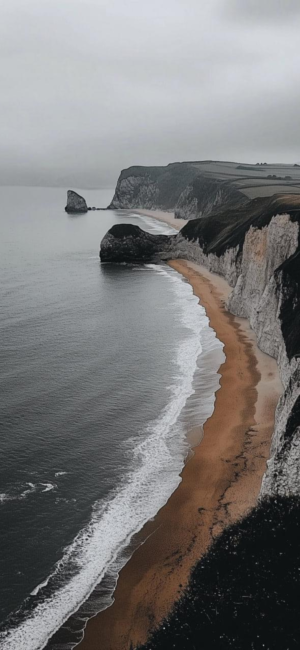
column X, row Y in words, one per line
column 136, row 192
column 258, row 295
column 227, row 265
column 264, row 251
column 283, row 469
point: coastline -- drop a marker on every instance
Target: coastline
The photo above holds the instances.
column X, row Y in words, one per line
column 219, row 484
column 166, row 217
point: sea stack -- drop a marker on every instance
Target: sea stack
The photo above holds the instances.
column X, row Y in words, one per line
column 75, row 203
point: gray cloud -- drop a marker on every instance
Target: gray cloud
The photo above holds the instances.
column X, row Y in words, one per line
column 261, row 10
column 91, row 86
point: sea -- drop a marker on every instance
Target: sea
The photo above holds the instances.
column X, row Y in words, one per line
column 105, row 369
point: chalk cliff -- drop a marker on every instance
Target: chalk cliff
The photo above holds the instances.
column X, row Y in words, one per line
column 256, row 247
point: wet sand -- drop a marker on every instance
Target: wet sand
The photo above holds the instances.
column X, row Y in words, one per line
column 219, row 483
column 167, row 217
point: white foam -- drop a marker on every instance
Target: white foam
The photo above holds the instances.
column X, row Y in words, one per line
column 36, row 590
column 24, row 494
column 158, row 462
column 4, row 497
column 31, row 488
column 48, row 486
column 60, row 473
column 156, row 225
column 16, row 497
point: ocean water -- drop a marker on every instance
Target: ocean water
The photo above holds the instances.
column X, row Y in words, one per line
column 104, row 370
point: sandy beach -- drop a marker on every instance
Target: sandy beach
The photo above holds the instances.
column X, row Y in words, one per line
column 219, row 483
column 167, row 217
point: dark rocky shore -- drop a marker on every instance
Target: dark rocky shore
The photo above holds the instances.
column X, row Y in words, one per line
column 245, row 592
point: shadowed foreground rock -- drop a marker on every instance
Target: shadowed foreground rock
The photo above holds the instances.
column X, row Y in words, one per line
column 128, row 243
column 75, row 203
column 244, row 593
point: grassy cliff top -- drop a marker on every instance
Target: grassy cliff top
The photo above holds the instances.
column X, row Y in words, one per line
column 253, row 180
column 227, row 227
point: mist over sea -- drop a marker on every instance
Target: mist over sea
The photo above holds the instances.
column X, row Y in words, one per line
column 99, row 367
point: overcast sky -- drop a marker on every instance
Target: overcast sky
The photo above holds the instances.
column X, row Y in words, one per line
column 89, row 87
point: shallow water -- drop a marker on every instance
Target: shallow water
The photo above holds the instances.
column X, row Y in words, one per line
column 98, row 370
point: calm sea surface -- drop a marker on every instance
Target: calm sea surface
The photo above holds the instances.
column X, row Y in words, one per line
column 99, row 366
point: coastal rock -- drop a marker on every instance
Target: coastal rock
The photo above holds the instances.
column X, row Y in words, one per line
column 75, row 203
column 129, row 243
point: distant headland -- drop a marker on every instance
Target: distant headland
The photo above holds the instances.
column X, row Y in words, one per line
column 197, row 189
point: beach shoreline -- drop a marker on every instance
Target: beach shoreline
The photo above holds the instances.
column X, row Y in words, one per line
column 220, row 482
column 159, row 215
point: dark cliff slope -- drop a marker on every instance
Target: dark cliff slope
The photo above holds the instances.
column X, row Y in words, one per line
column 193, row 189
column 226, row 228
column 245, row 592
column 205, row 195
column 290, row 307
